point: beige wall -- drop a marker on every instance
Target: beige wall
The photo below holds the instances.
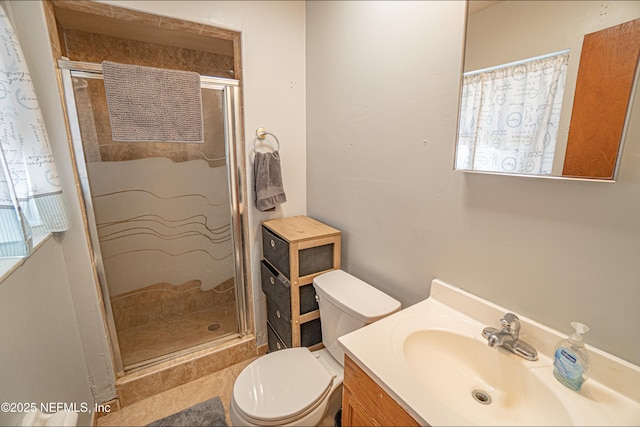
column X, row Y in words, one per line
column 382, row 101
column 41, row 359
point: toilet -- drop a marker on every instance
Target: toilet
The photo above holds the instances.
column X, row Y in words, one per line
column 294, row 386
column 57, row 419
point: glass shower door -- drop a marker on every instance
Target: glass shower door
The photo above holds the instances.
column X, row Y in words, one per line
column 163, row 229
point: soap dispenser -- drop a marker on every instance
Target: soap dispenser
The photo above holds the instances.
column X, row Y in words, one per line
column 571, row 361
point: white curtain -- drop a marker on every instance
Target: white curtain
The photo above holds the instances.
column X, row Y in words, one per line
column 509, row 116
column 30, row 194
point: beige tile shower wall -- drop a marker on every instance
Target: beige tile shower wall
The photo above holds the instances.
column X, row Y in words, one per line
column 98, row 144
column 91, row 47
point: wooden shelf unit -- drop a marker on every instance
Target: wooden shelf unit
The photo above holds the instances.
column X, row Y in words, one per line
column 295, row 251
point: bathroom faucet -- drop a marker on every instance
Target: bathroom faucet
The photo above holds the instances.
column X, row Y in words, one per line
column 507, row 337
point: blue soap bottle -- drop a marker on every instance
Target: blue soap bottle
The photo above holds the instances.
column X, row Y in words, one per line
column 571, row 360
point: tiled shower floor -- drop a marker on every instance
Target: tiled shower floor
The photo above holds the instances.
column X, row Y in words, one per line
column 156, row 339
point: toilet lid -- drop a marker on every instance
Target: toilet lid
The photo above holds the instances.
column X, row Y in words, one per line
column 281, row 385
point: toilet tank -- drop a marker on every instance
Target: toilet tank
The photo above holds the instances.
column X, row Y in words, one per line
column 346, row 304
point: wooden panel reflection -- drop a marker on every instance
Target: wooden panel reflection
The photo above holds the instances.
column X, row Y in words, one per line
column 605, row 80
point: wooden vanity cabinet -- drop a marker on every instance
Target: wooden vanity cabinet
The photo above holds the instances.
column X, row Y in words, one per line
column 365, row 403
column 295, row 250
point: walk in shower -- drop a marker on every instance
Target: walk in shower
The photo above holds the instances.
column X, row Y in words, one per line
column 164, row 223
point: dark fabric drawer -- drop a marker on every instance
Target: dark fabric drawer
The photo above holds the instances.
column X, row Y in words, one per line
column 276, row 251
column 313, row 260
column 278, row 291
column 275, row 343
column 308, row 299
column 276, row 287
column 280, row 323
column 310, row 260
column 310, row 332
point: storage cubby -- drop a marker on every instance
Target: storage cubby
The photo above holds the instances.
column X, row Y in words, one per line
column 295, row 250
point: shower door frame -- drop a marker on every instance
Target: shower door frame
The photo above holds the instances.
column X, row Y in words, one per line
column 232, row 131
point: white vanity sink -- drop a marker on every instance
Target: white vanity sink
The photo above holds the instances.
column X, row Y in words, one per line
column 433, row 360
column 488, row 385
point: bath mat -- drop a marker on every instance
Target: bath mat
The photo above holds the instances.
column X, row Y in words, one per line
column 153, row 104
column 207, row 413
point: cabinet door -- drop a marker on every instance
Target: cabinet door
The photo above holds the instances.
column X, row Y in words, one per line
column 353, row 414
column 367, row 403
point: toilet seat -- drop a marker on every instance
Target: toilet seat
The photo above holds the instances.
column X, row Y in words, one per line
column 281, row 387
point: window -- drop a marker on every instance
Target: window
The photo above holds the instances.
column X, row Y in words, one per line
column 30, row 194
column 510, row 114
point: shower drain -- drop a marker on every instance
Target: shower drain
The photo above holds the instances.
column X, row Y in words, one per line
column 214, row 327
column 481, row 396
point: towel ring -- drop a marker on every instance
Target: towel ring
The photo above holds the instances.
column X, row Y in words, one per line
column 261, row 134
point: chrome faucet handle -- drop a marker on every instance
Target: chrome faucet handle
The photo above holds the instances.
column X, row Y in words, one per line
column 507, row 337
column 510, row 322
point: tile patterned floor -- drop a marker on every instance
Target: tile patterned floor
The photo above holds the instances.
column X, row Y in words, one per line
column 155, row 339
column 174, row 400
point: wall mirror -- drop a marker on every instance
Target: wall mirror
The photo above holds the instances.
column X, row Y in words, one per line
column 548, row 52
